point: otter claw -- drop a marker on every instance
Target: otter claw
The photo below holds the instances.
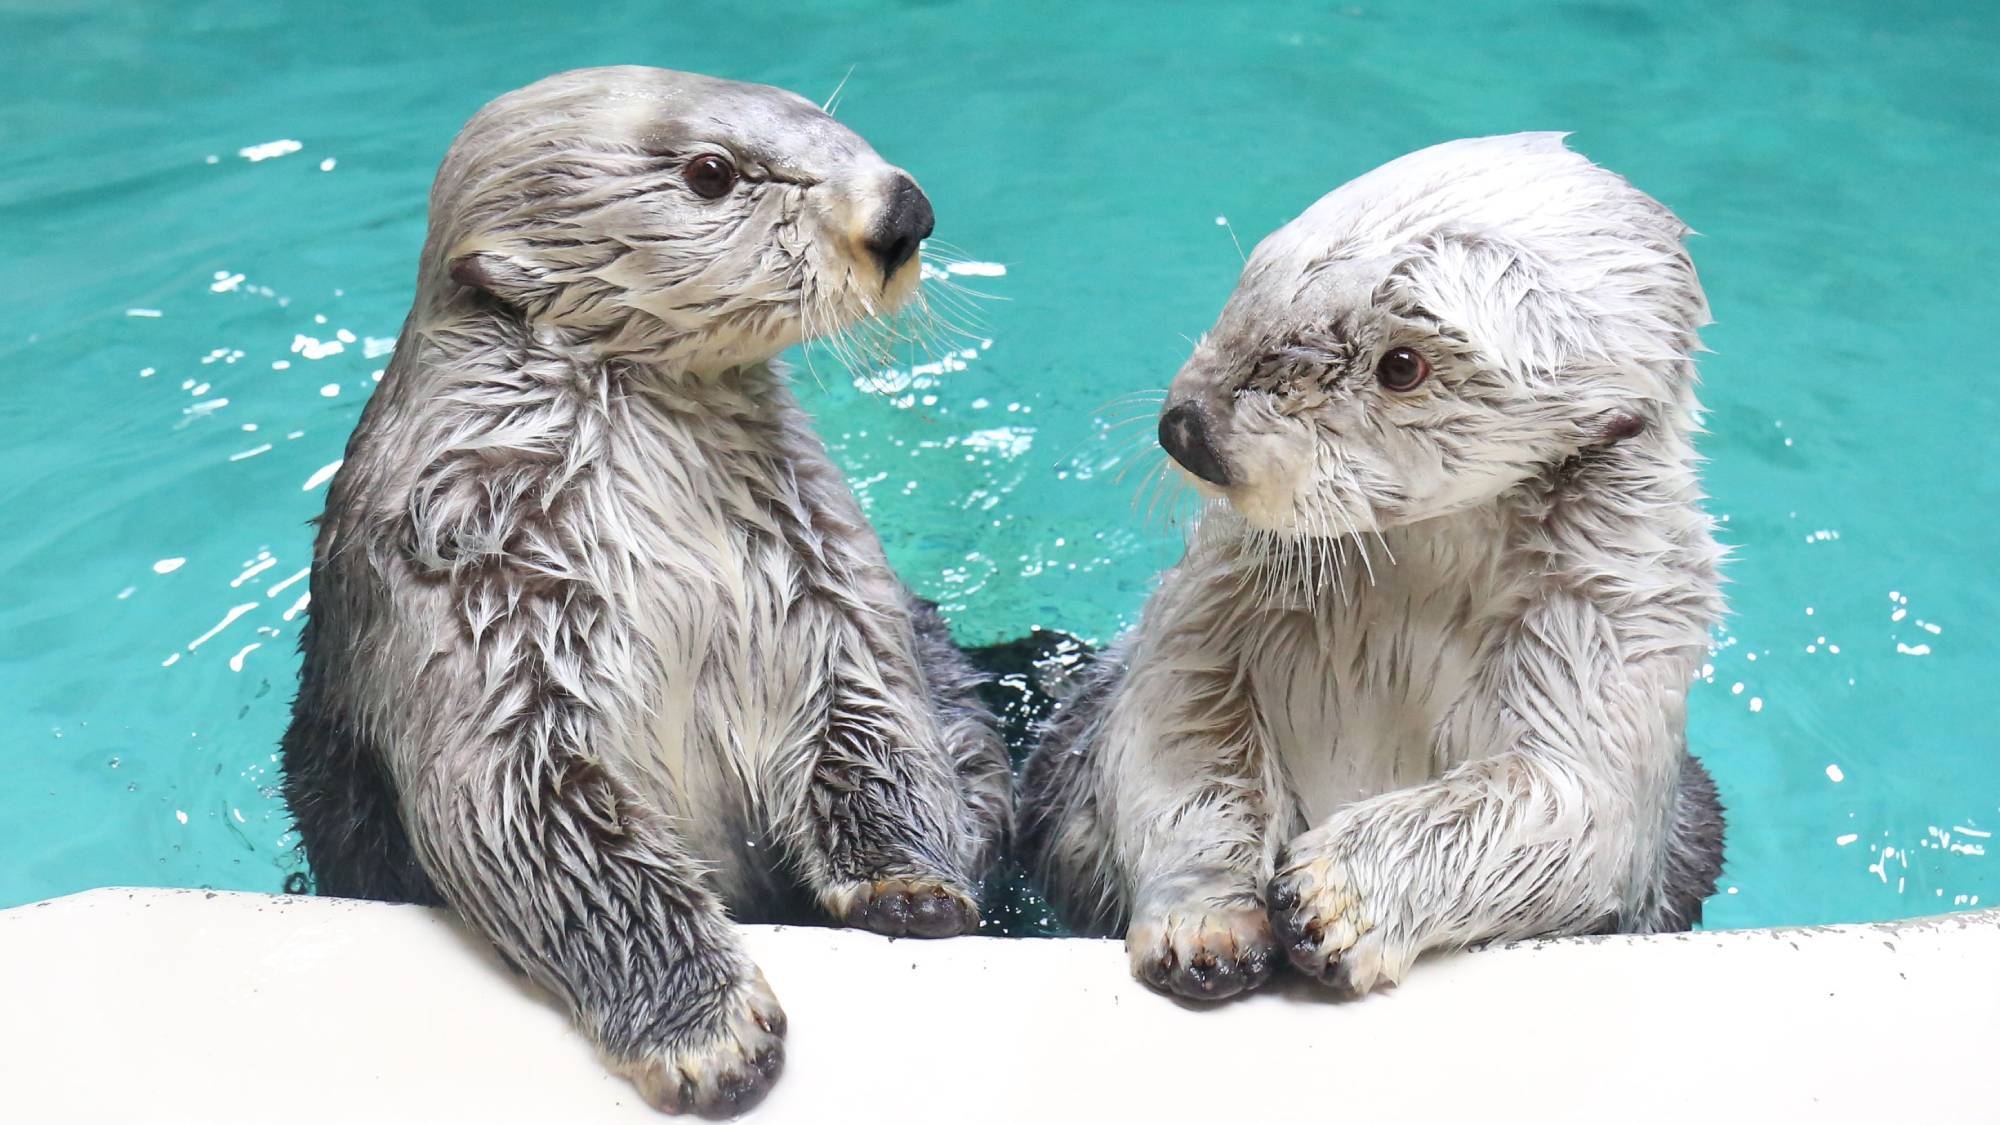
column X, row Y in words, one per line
column 722, row 1070
column 910, row 908
column 1203, row 956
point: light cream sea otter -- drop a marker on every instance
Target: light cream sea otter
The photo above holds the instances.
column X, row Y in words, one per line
column 601, row 645
column 1420, row 680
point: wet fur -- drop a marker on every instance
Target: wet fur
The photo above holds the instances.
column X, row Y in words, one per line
column 602, row 650
column 1420, row 679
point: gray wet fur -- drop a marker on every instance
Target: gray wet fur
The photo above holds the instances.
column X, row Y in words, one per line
column 1420, row 679
column 601, row 647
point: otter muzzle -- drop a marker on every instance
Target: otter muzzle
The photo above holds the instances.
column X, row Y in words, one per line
column 1184, row 435
column 903, row 225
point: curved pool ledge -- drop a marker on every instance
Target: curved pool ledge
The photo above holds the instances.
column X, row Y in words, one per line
column 159, row 1005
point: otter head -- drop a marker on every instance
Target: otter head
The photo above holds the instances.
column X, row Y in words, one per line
column 706, row 223
column 1433, row 334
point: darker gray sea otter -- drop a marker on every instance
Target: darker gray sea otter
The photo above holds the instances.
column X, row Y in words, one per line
column 602, row 649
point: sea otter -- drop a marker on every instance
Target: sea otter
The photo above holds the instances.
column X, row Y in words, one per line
column 602, row 649
column 1420, row 680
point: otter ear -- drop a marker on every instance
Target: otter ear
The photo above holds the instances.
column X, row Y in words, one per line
column 506, row 279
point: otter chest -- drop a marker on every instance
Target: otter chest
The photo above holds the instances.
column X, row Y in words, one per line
column 1386, row 689
column 723, row 634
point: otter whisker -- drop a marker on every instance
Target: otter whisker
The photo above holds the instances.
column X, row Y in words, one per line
column 811, row 343
column 833, row 335
column 1286, row 578
column 914, row 325
column 1165, row 490
column 1337, row 548
column 944, row 244
column 1312, row 553
column 1150, row 397
column 1347, row 485
column 925, row 320
column 951, row 311
column 833, row 100
column 1144, row 494
column 1271, row 571
column 950, row 321
column 1126, row 465
column 1148, row 481
column 958, row 287
column 1155, row 485
column 1377, row 532
column 874, row 340
column 1281, row 548
column 1361, row 546
column 1164, row 512
column 1223, row 222
column 1097, row 434
column 956, row 313
column 823, row 323
column 871, row 343
column 950, row 253
column 848, row 354
column 948, row 282
column 937, row 267
column 825, row 339
column 1111, row 424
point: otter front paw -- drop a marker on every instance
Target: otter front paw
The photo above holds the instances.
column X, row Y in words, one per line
column 1203, row 954
column 906, row 907
column 1330, row 926
column 724, row 1063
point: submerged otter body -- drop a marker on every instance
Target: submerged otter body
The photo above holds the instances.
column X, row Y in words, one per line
column 601, row 645
column 1420, row 679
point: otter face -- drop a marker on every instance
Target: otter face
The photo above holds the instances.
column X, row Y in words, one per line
column 1433, row 334
column 707, row 223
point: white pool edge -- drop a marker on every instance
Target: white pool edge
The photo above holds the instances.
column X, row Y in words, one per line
column 160, row 1005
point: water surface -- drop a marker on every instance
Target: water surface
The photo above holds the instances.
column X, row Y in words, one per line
column 210, row 213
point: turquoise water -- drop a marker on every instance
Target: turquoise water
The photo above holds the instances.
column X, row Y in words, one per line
column 191, row 314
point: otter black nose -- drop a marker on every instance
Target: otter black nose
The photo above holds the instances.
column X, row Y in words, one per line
column 1184, row 435
column 904, row 225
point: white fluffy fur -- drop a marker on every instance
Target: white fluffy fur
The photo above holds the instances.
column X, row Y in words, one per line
column 1420, row 679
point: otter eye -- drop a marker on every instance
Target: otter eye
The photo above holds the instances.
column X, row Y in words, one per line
column 1402, row 369
column 709, row 175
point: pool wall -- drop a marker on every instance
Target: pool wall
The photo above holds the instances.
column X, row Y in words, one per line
column 167, row 1006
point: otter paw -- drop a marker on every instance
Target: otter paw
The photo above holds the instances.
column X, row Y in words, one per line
column 721, row 1067
column 1328, row 929
column 1203, row 954
column 906, row 908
